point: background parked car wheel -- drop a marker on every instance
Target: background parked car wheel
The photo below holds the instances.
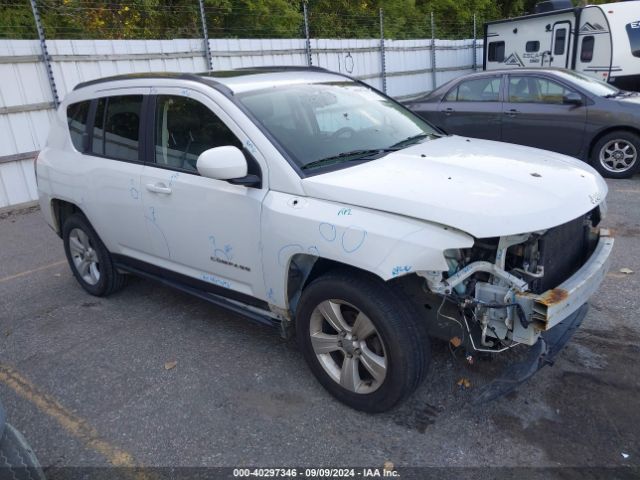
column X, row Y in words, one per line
column 17, row 460
column 89, row 259
column 361, row 340
column 617, row 155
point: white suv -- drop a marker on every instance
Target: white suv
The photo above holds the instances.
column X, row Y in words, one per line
column 309, row 201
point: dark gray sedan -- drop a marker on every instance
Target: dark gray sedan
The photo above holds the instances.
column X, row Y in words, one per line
column 553, row 109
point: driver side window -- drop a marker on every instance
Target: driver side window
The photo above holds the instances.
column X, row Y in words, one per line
column 184, row 128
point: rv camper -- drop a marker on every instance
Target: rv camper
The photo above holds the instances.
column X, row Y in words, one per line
column 600, row 40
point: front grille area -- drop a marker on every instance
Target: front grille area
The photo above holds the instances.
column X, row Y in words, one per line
column 563, row 250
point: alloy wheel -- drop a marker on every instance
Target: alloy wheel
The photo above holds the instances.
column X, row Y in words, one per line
column 348, row 346
column 618, row 156
column 84, row 256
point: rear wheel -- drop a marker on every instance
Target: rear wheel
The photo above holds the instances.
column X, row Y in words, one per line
column 616, row 155
column 89, row 259
column 360, row 340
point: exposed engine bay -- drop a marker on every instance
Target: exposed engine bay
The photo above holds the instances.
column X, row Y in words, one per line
column 505, row 291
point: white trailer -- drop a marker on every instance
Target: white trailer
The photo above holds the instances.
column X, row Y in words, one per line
column 600, row 40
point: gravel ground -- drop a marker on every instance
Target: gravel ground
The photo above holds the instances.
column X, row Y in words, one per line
column 93, row 391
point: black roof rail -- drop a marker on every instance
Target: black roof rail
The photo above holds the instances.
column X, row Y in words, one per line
column 133, row 76
column 194, row 77
column 285, row 68
column 202, row 77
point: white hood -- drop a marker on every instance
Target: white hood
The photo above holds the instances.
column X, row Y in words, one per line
column 484, row 188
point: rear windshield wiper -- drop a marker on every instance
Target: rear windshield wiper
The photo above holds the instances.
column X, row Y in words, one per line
column 351, row 156
column 413, row 139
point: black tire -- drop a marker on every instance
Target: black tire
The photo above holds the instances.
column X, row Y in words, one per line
column 404, row 348
column 608, row 165
column 17, row 460
column 110, row 280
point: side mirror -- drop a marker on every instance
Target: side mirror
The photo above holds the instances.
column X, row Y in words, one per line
column 222, row 163
column 572, row 98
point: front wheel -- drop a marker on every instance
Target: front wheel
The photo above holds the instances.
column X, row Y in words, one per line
column 360, row 340
column 616, row 155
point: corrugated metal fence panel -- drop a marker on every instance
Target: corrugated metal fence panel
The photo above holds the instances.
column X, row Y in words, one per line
column 17, row 183
column 359, row 58
column 237, row 53
column 408, row 65
column 453, row 58
column 24, row 83
column 76, row 61
column 479, row 53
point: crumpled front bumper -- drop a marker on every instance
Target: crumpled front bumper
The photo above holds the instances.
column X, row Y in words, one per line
column 557, row 313
column 550, row 308
column 542, row 353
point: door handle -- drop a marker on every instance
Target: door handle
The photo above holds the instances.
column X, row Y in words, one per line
column 448, row 111
column 158, row 188
column 512, row 112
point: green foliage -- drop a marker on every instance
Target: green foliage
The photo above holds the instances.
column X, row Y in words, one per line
column 254, row 18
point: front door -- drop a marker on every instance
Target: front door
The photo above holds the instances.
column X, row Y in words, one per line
column 536, row 115
column 200, row 227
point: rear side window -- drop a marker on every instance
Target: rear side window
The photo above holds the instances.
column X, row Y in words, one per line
column 561, row 38
column 496, row 52
column 586, row 51
column 116, row 129
column 77, row 114
column 532, row 46
column 184, row 129
column 477, row 90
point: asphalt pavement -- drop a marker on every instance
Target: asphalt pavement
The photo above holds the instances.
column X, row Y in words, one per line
column 153, row 377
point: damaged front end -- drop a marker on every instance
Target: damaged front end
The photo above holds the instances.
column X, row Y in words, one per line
column 521, row 289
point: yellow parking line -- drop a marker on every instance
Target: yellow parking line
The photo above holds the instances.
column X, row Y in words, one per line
column 76, row 426
column 27, row 272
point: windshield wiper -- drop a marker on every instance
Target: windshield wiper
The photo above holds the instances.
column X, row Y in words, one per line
column 351, row 156
column 413, row 139
column 620, row 93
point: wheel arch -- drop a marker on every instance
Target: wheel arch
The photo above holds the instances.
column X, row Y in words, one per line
column 60, row 211
column 304, row 268
column 598, row 136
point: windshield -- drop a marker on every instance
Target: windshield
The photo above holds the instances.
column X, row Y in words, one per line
column 590, row 84
column 337, row 122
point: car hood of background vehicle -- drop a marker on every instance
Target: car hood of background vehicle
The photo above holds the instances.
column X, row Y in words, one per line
column 484, row 188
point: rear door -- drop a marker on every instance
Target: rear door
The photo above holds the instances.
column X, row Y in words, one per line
column 473, row 108
column 535, row 115
column 110, row 192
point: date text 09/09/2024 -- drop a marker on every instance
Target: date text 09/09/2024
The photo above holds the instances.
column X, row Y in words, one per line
column 386, row 471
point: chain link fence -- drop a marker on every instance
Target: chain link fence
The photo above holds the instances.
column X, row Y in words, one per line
column 152, row 19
